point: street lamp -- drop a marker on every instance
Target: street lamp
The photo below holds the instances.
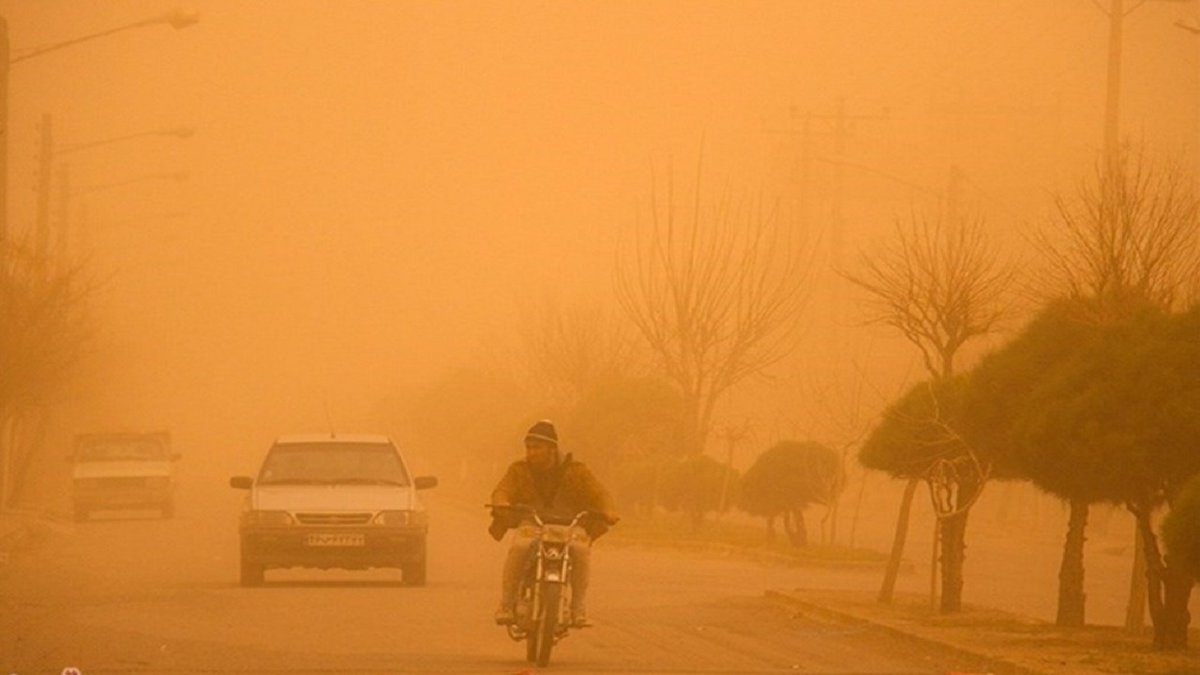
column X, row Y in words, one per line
column 177, row 176
column 49, row 151
column 178, row 132
column 176, row 18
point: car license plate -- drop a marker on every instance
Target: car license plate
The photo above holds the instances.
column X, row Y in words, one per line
column 335, row 539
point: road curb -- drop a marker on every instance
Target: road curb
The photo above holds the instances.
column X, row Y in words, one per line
column 997, row 665
column 759, row 555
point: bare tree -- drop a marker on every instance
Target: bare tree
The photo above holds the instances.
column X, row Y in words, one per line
column 1126, row 239
column 715, row 289
column 42, row 333
column 846, row 420
column 940, row 285
column 571, row 349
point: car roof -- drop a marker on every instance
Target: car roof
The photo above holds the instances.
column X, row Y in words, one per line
column 325, row 438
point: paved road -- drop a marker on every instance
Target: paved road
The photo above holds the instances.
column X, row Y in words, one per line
column 138, row 594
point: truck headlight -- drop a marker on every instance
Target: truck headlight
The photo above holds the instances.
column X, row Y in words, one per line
column 261, row 518
column 400, row 518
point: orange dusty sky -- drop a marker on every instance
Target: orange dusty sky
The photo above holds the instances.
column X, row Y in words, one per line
column 376, row 189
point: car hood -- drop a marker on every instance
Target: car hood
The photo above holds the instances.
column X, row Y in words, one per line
column 332, row 497
column 119, row 469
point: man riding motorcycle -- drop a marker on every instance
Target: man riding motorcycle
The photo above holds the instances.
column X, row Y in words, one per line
column 547, row 481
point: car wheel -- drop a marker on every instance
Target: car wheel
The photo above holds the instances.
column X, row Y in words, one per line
column 414, row 570
column 252, row 573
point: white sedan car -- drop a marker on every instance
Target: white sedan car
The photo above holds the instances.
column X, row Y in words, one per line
column 333, row 501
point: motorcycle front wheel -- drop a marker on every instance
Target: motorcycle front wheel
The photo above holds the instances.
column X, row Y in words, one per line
column 541, row 639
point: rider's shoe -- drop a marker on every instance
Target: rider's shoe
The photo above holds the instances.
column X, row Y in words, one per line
column 504, row 616
column 579, row 617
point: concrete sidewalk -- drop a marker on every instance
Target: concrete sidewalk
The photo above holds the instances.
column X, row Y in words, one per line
column 1012, row 644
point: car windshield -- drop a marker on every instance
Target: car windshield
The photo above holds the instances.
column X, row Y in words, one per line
column 321, row 463
column 139, row 449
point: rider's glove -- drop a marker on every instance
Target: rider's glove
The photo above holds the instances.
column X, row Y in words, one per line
column 498, row 527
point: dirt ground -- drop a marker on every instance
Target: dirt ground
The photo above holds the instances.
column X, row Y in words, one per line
column 1015, row 644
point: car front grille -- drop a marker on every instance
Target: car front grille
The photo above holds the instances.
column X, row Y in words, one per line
column 333, row 518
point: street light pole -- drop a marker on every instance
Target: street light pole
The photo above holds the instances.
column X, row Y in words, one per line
column 176, row 18
column 48, row 152
column 1112, row 105
column 3, row 137
column 177, row 132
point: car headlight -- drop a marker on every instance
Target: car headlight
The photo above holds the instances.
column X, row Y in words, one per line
column 400, row 518
column 261, row 518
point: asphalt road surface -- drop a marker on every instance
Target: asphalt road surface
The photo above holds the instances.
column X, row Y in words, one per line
column 135, row 593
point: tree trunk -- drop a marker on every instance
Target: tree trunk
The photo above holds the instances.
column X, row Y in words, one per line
column 1176, row 618
column 954, row 546
column 1168, row 588
column 799, row 531
column 1155, row 577
column 1071, row 598
column 1135, row 610
column 888, row 590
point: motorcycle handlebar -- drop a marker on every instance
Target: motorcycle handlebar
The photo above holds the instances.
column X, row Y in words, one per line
column 543, row 518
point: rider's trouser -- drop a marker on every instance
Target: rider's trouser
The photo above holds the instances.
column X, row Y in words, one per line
column 518, row 553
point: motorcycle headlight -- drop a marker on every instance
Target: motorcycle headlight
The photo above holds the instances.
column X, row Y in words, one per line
column 400, row 518
column 261, row 518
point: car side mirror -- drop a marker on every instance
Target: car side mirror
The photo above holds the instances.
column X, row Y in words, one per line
column 241, row 482
column 425, row 482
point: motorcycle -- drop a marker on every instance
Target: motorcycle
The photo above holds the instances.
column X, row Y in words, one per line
column 542, row 615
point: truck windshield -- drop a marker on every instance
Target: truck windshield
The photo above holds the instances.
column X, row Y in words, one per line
column 122, row 450
column 351, row 463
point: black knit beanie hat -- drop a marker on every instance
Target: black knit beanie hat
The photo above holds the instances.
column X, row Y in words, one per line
column 543, row 430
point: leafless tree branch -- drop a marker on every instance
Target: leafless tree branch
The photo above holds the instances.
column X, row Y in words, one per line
column 715, row 290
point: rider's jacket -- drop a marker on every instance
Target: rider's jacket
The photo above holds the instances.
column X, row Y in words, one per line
column 568, row 488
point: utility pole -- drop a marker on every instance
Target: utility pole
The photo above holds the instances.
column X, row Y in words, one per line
column 176, row 18
column 841, row 127
column 4, row 49
column 1112, row 100
column 732, row 436
column 954, row 195
column 62, row 229
column 44, row 177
